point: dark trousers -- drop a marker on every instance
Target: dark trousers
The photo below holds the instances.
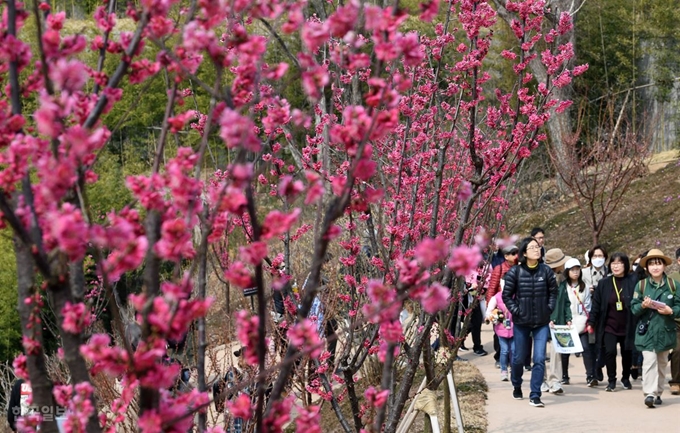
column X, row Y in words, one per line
column 476, row 328
column 610, row 342
column 475, row 325
column 675, row 362
column 496, row 348
column 527, row 359
column 565, row 364
column 589, row 356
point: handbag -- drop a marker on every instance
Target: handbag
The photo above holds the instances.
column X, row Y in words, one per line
column 592, row 338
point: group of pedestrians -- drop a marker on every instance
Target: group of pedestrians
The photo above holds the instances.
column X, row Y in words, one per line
column 611, row 303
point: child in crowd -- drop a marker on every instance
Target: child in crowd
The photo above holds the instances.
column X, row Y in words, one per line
column 579, row 298
column 501, row 318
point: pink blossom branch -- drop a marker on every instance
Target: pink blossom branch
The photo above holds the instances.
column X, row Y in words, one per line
column 22, row 234
column 226, row 97
column 261, row 311
column 407, row 378
column 119, row 73
column 281, row 43
column 385, row 384
column 44, row 66
column 334, row 402
column 105, row 44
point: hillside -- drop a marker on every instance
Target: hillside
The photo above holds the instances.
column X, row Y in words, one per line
column 648, row 217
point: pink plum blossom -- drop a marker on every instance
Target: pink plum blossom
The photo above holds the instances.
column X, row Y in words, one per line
column 464, row 260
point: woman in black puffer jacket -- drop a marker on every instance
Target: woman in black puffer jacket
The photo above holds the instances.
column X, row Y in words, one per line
column 530, row 293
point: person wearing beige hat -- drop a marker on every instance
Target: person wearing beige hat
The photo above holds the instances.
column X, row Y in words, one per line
column 561, row 315
column 556, row 259
column 656, row 302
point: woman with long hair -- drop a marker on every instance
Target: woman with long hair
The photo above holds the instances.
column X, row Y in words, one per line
column 581, row 303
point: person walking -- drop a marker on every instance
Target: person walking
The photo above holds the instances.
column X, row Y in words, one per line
column 675, row 355
column 580, row 301
column 597, row 256
column 560, row 316
column 530, row 294
column 501, row 318
column 612, row 321
column 475, row 288
column 495, row 286
column 539, row 234
column 656, row 302
column 639, row 273
column 18, row 404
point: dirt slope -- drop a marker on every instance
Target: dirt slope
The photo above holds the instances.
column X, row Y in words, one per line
column 648, row 217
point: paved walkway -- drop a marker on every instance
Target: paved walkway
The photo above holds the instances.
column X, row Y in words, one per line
column 579, row 409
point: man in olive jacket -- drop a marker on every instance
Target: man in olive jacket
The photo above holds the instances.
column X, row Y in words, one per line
column 657, row 303
column 530, row 293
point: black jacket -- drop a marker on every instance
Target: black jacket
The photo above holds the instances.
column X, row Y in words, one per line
column 598, row 310
column 530, row 294
column 14, row 406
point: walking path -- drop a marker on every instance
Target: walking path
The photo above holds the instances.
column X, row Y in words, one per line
column 579, row 409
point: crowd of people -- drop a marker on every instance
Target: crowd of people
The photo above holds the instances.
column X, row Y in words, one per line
column 612, row 302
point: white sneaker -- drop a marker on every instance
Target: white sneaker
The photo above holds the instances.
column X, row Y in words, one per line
column 556, row 389
column 545, row 387
column 504, row 376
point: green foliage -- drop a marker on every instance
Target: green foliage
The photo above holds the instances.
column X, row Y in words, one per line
column 10, row 324
column 619, row 39
column 109, row 192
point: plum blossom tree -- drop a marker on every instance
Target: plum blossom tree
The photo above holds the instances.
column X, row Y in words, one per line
column 399, row 138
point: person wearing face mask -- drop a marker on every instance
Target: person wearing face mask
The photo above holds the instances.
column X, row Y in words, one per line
column 597, row 256
column 656, row 302
column 612, row 321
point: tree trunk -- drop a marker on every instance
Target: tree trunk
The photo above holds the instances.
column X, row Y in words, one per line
column 446, row 428
column 37, row 370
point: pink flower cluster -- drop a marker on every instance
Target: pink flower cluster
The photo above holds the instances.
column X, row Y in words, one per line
column 124, row 237
column 247, row 334
column 77, row 399
column 76, row 317
column 172, row 414
column 464, row 260
column 305, row 336
column 171, row 314
column 110, row 359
